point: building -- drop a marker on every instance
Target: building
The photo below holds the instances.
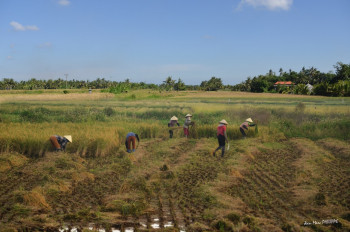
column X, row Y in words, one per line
column 283, row 83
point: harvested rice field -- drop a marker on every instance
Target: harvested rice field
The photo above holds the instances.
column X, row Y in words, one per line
column 291, row 173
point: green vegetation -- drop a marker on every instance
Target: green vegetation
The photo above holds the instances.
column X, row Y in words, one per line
column 293, row 168
column 305, row 82
column 326, row 84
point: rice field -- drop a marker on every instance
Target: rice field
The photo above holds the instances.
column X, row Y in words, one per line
column 292, row 169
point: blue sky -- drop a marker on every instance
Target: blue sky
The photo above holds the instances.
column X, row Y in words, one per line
column 149, row 40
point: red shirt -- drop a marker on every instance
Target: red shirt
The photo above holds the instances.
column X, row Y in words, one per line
column 221, row 129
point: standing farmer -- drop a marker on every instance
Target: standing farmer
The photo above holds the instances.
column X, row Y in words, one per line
column 60, row 142
column 172, row 123
column 187, row 125
column 245, row 126
column 131, row 138
column 222, row 137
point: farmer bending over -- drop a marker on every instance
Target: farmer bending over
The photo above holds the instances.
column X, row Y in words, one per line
column 245, row 126
column 187, row 125
column 131, row 138
column 172, row 123
column 60, row 142
column 222, row 137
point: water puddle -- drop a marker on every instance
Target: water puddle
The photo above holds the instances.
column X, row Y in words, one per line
column 155, row 225
column 168, row 224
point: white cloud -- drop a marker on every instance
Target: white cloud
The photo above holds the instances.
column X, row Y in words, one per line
column 64, row 2
column 269, row 4
column 32, row 28
column 19, row 27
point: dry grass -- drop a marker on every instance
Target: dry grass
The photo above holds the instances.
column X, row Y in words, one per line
column 36, row 199
column 268, row 178
column 55, row 97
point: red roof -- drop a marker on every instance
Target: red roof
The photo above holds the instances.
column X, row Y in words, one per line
column 283, row 83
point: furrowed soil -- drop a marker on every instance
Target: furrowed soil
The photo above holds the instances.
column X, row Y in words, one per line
column 177, row 185
column 292, row 173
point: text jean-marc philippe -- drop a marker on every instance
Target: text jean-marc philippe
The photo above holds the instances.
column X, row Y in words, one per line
column 322, row 222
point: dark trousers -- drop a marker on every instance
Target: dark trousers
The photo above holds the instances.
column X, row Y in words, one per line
column 171, row 133
column 243, row 132
column 221, row 140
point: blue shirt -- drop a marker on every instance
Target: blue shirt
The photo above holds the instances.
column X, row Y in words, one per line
column 130, row 134
column 62, row 141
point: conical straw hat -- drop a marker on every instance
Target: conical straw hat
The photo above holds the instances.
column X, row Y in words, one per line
column 223, row 122
column 188, row 115
column 174, row 118
column 68, row 137
column 249, row 120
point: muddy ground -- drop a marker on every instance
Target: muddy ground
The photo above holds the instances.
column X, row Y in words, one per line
column 177, row 185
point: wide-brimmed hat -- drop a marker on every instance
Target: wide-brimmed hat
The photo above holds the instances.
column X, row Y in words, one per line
column 249, row 120
column 223, row 122
column 68, row 137
column 188, row 115
column 174, row 118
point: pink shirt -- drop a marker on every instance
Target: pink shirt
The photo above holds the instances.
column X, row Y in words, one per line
column 245, row 125
column 221, row 129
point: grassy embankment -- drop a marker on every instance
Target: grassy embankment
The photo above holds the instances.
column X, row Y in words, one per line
column 271, row 181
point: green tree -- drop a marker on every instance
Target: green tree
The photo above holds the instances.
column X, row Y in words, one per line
column 259, row 84
column 8, row 83
column 179, row 85
column 213, row 84
column 169, row 83
column 301, row 89
column 342, row 72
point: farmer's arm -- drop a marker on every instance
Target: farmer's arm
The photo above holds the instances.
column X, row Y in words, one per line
column 64, row 144
column 252, row 124
column 225, row 134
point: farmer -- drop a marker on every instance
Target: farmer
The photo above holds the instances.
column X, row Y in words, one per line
column 60, row 142
column 245, row 126
column 171, row 124
column 131, row 138
column 222, row 137
column 187, row 125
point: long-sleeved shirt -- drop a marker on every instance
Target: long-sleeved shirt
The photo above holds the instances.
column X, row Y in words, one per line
column 246, row 125
column 187, row 122
column 172, row 123
column 62, row 141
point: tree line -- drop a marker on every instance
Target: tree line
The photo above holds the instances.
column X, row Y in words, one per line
column 326, row 84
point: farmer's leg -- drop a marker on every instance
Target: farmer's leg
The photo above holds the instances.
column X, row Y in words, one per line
column 222, row 151
column 186, row 132
column 129, row 145
column 243, row 132
column 221, row 140
column 133, row 140
column 222, row 144
column 170, row 133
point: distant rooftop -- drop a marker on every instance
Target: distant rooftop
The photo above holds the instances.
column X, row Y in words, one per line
column 283, row 83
